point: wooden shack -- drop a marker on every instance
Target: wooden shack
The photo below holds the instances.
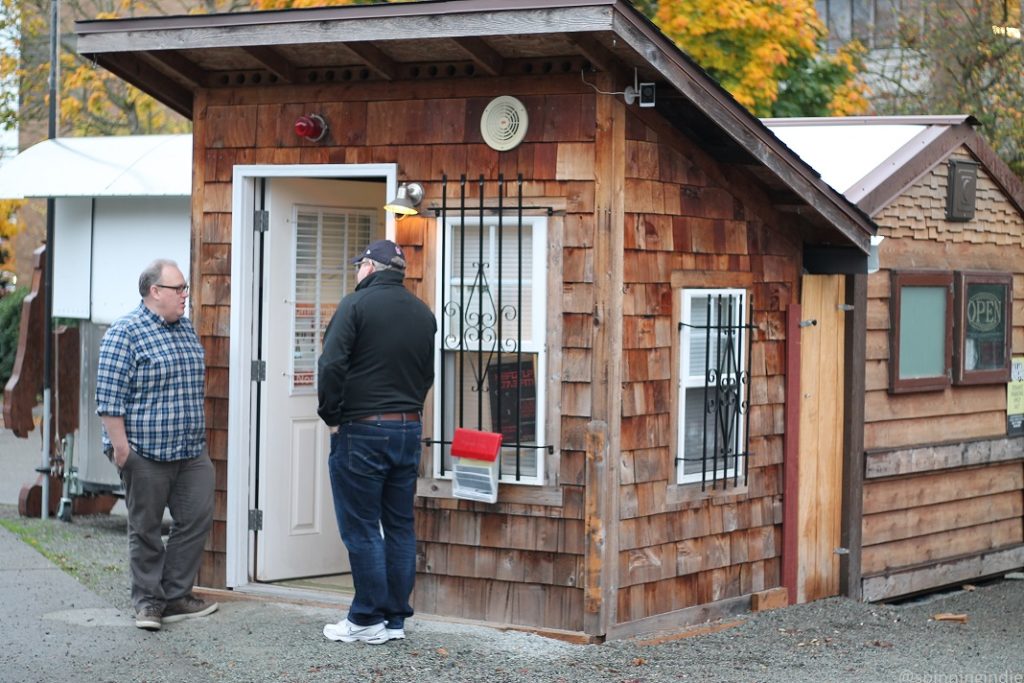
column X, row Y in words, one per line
column 943, row 466
column 618, row 254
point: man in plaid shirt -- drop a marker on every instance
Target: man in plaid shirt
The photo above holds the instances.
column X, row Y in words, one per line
column 150, row 387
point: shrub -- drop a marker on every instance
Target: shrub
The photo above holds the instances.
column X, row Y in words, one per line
column 10, row 323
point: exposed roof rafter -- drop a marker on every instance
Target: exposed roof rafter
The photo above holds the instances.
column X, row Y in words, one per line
column 274, row 61
column 148, row 79
column 375, row 59
column 183, row 68
column 483, row 55
column 598, row 55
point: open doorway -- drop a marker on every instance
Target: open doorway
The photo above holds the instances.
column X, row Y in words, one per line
column 295, row 230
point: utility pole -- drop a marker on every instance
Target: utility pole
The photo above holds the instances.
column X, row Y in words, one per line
column 48, row 299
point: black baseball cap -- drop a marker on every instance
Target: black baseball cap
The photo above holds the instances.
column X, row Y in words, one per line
column 383, row 251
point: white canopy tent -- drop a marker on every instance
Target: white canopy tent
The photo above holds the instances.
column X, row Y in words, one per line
column 119, row 203
column 126, row 166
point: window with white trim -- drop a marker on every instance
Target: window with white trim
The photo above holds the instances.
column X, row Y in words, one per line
column 714, row 382
column 326, row 241
column 491, row 337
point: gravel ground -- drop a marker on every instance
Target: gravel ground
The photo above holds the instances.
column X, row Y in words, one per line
column 829, row 640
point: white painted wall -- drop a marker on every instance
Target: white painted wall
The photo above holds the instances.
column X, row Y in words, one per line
column 128, row 233
column 72, row 255
column 101, row 246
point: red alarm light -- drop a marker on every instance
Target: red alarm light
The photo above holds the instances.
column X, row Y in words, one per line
column 311, row 127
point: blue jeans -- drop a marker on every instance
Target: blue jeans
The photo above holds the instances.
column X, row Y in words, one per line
column 373, row 468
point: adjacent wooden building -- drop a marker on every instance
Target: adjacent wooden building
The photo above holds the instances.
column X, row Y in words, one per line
column 636, row 283
column 943, row 465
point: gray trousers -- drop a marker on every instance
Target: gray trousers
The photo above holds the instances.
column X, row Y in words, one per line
column 161, row 574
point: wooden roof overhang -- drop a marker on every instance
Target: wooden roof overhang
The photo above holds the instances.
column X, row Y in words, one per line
column 942, row 137
column 172, row 57
column 939, row 136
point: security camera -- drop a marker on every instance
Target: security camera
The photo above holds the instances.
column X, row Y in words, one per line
column 646, row 95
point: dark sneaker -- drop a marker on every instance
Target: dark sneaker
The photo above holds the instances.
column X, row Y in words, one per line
column 149, row 618
column 188, row 607
column 347, row 632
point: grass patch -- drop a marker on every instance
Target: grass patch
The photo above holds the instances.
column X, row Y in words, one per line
column 41, row 535
column 92, row 549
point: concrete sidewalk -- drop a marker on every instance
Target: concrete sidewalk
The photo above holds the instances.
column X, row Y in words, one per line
column 54, row 629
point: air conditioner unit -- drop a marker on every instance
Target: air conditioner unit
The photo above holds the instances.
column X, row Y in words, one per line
column 475, row 465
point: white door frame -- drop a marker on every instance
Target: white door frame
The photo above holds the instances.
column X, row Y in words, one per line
column 240, row 404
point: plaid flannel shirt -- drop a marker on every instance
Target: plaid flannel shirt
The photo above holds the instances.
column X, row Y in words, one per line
column 152, row 373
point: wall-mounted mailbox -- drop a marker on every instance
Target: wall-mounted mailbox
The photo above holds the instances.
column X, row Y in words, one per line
column 475, row 465
column 961, row 190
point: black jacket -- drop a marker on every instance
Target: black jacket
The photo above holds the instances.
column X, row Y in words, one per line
column 378, row 352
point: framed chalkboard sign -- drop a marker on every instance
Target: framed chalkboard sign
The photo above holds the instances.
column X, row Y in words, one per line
column 984, row 311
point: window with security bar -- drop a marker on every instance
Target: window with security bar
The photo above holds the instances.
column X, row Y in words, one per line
column 326, row 240
column 491, row 322
column 714, row 388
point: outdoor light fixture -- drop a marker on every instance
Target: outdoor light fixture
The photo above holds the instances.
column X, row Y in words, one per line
column 405, row 202
column 876, row 243
column 312, row 127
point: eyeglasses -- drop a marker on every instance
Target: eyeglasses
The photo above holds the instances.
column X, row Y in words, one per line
column 180, row 289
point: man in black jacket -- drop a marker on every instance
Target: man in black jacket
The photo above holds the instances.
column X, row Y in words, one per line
column 373, row 376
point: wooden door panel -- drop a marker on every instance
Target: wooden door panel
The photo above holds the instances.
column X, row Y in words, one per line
column 820, row 451
column 300, row 535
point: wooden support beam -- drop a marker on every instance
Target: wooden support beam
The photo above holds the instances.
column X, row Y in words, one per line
column 130, row 68
column 598, row 55
column 598, row 563
column 483, row 55
column 375, row 59
column 791, row 456
column 274, row 61
column 851, row 530
column 183, row 68
column 604, row 432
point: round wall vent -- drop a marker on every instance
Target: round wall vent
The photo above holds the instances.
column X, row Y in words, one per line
column 504, row 123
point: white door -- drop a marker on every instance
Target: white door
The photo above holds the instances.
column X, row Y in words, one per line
column 316, row 228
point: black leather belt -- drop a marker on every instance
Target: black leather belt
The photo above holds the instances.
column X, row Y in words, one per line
column 390, row 417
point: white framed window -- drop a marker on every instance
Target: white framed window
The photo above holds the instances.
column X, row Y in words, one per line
column 326, row 241
column 713, row 387
column 492, row 339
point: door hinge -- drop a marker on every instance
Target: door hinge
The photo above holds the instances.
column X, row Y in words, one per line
column 259, row 370
column 260, row 220
column 255, row 520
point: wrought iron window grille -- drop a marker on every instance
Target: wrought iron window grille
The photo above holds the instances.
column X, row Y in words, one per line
column 726, row 394
column 482, row 328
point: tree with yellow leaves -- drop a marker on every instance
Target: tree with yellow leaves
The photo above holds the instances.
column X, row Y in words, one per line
column 961, row 57
column 8, row 229
column 92, row 101
column 766, row 53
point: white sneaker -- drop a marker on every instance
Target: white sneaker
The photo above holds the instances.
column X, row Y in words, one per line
column 395, row 633
column 347, row 632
